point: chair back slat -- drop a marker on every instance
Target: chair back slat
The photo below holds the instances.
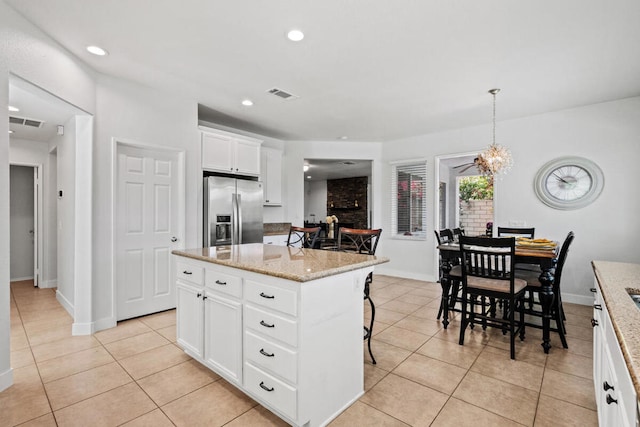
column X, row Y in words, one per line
column 490, row 258
column 517, row 232
column 303, row 237
column 363, row 241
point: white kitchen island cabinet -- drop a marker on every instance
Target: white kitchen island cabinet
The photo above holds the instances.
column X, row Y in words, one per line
column 282, row 324
column 616, row 352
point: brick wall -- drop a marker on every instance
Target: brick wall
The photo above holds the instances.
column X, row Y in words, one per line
column 474, row 216
column 341, row 198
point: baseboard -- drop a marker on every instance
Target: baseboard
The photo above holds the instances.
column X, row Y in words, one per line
column 64, row 302
column 48, row 284
column 104, row 323
column 6, row 379
column 577, row 299
column 403, row 274
column 82, row 328
column 20, row 279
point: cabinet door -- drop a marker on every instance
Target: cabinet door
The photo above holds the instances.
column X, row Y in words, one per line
column 247, row 157
column 272, row 176
column 223, row 337
column 218, row 152
column 190, row 319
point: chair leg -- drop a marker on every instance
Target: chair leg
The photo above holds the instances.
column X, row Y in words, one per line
column 463, row 318
column 512, row 331
column 522, row 326
column 369, row 331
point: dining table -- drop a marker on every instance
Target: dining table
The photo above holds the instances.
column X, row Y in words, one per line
column 546, row 259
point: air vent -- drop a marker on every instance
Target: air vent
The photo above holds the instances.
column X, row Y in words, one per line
column 25, row 121
column 282, row 94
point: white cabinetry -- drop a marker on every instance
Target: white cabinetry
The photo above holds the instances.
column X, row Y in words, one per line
column 296, row 348
column 230, row 153
column 615, row 394
column 271, row 169
column 209, row 318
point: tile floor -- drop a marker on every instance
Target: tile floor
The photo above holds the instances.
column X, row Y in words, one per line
column 135, row 375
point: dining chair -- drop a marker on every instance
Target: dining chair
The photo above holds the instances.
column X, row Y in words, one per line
column 516, row 232
column 487, row 272
column 363, row 241
column 303, row 237
column 534, row 288
column 457, row 232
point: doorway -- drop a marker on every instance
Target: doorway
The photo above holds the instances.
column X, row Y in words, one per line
column 25, row 206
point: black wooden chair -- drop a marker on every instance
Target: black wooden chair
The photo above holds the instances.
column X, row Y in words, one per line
column 455, row 274
column 303, row 237
column 516, row 232
column 488, row 272
column 363, row 241
column 534, row 287
column 457, row 232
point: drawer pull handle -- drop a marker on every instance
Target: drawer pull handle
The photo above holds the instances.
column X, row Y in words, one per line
column 218, row 282
column 606, row 386
column 594, row 322
column 199, row 295
column 189, row 273
column 611, row 400
column 264, row 353
column 593, row 290
column 264, row 387
column 597, row 306
column 263, row 295
column 266, row 325
column 204, row 298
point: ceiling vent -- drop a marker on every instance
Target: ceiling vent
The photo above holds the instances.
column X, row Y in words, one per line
column 25, row 121
column 348, row 163
column 282, row 94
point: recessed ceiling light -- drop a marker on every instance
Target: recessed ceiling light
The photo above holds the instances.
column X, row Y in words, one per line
column 295, row 35
column 343, row 137
column 10, row 131
column 96, row 50
column 14, row 109
column 308, row 176
column 305, row 168
column 247, row 102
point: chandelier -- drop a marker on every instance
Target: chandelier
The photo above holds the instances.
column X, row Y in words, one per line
column 496, row 159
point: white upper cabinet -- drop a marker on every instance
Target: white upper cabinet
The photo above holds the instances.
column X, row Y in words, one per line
column 272, row 176
column 230, row 153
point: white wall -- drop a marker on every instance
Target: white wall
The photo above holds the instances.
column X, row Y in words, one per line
column 315, row 200
column 29, row 53
column 606, row 133
column 22, row 220
column 142, row 115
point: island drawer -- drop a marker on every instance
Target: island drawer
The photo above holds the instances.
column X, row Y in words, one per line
column 273, row 391
column 190, row 272
column 271, row 356
column 271, row 325
column 273, row 297
column 225, row 283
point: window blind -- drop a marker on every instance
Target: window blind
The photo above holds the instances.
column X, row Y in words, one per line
column 408, row 195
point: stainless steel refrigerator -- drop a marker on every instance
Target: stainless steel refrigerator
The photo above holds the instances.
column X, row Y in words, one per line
column 232, row 211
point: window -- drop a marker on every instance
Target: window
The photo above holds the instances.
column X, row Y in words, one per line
column 408, row 200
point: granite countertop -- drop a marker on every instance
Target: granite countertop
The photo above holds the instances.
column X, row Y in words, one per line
column 276, row 228
column 300, row 265
column 614, row 278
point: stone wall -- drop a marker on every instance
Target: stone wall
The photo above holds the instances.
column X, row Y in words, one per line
column 342, row 195
column 474, row 216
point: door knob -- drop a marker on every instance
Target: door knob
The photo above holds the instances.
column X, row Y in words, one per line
column 174, row 239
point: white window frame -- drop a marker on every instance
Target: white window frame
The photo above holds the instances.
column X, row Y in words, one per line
column 415, row 165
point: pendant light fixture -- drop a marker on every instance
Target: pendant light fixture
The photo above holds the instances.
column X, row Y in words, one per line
column 496, row 159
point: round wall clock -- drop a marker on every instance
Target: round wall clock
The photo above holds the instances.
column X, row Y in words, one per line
column 569, row 182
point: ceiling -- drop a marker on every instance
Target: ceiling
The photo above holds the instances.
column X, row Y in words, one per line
column 38, row 105
column 370, row 70
column 323, row 169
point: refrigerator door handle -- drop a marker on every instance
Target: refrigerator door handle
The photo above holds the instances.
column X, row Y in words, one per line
column 234, row 219
column 239, row 217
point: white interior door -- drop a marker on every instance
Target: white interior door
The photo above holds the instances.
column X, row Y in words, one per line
column 147, row 230
column 36, row 227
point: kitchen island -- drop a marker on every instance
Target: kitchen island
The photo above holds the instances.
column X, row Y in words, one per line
column 284, row 325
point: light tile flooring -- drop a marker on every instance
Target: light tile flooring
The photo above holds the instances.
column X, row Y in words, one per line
column 135, row 375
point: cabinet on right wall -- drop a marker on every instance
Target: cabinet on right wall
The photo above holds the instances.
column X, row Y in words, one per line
column 271, row 175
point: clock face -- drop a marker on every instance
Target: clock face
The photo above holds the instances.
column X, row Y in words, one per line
column 569, row 183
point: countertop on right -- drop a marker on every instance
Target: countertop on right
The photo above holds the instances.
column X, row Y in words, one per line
column 616, row 280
